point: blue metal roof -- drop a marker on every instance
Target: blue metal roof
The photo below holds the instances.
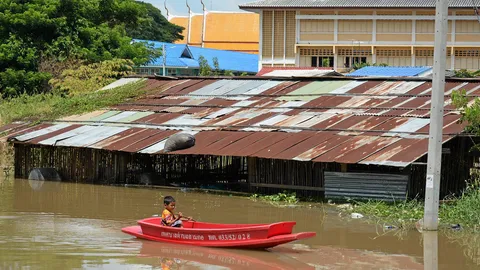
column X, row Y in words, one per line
column 389, row 71
column 228, row 60
column 178, row 55
column 175, row 62
column 173, row 50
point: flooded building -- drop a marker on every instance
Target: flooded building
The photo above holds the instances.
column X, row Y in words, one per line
column 324, row 136
column 341, row 33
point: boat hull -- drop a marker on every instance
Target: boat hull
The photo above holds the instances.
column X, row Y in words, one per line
column 194, row 231
column 247, row 243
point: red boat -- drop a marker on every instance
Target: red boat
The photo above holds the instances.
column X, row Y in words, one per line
column 218, row 235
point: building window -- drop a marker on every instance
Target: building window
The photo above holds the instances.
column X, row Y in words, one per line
column 322, row 61
column 316, row 51
column 349, row 61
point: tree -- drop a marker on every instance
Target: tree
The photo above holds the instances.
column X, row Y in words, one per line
column 204, row 67
column 362, row 65
column 206, row 70
column 463, row 73
column 155, row 26
column 216, row 67
column 470, row 112
column 228, row 73
column 60, row 30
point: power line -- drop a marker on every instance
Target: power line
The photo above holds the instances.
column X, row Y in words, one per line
column 476, row 10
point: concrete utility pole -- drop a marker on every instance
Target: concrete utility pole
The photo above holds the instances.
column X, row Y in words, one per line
column 434, row 162
column 430, row 250
column 164, row 52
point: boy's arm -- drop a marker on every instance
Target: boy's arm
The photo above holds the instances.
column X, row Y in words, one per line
column 170, row 219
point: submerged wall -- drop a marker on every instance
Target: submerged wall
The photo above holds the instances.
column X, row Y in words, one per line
column 259, row 175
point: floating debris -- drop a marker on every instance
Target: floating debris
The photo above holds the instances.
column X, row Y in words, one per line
column 356, row 215
column 456, row 227
column 346, row 206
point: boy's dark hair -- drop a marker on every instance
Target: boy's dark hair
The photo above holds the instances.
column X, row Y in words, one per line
column 168, row 199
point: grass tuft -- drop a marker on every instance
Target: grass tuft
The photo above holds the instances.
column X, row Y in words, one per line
column 463, row 210
column 277, row 199
column 51, row 106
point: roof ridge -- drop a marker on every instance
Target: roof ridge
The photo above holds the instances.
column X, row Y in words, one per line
column 352, row 3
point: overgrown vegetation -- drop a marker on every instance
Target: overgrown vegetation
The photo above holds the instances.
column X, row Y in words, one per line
column 50, row 106
column 362, row 65
column 206, row 70
column 463, row 210
column 463, row 73
column 87, row 78
column 279, row 198
column 470, row 110
column 36, row 35
column 400, row 214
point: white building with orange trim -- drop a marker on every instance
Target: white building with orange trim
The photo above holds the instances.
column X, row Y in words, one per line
column 234, row 31
column 339, row 33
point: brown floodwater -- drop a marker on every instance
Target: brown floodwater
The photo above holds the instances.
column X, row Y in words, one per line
column 54, row 225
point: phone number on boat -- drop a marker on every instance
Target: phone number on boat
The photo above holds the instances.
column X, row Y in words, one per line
column 220, row 237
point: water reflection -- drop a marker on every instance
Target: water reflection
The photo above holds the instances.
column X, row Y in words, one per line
column 293, row 256
column 430, row 250
column 177, row 255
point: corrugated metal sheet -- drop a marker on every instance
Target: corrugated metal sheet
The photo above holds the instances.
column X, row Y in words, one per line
column 137, row 140
column 104, row 144
column 266, row 139
column 38, row 139
column 8, row 127
column 119, row 117
column 206, row 90
column 348, row 87
column 250, row 85
column 229, row 138
column 388, row 187
column 343, row 121
column 40, row 132
column 229, row 86
column 158, row 147
column 313, row 88
column 300, row 73
column 10, row 131
column 262, row 88
column 95, row 135
column 373, row 71
column 84, row 117
column 103, row 116
column 121, row 82
column 332, row 154
column 322, row 148
column 293, row 140
column 202, row 141
column 65, row 135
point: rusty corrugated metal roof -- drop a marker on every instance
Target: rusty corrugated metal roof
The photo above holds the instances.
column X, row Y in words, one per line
column 354, row 121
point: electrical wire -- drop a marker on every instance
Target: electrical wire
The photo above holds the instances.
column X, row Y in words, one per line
column 476, row 10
